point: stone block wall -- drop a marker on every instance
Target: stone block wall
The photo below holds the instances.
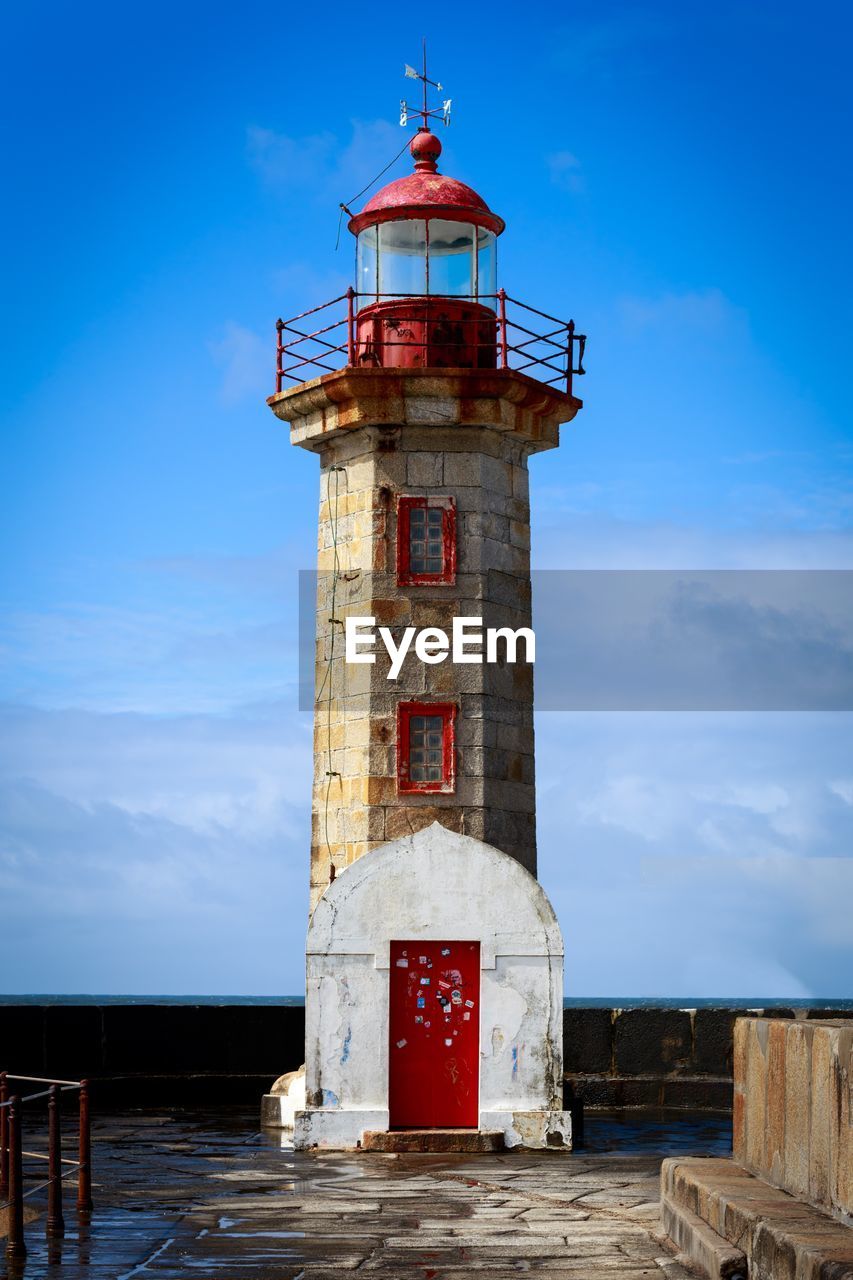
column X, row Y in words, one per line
column 356, row 805
column 792, row 1117
column 463, row 438
column 654, row 1057
column 153, row 1054
column 172, row 1054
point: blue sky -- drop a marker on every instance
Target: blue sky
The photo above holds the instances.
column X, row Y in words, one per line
column 672, row 174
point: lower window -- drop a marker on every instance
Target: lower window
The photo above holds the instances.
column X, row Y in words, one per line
column 426, row 754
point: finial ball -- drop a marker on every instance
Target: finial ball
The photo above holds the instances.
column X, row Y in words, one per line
column 425, row 148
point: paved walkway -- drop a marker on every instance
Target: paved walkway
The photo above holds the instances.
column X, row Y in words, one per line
column 206, row 1195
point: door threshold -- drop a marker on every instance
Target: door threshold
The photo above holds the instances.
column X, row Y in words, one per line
column 435, row 1140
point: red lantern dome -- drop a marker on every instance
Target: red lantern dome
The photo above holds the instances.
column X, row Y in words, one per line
column 426, row 270
column 426, row 193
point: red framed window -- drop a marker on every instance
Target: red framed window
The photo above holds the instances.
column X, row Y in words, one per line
column 426, row 540
column 426, row 749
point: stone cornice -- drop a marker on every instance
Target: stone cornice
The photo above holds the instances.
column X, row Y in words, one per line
column 499, row 399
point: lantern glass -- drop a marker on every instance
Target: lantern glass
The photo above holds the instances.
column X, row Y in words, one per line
column 367, row 263
column 487, row 263
column 402, row 257
column 451, row 258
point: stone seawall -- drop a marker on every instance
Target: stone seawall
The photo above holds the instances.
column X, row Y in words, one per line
column 142, row 1054
column 176, row 1054
column 656, row 1057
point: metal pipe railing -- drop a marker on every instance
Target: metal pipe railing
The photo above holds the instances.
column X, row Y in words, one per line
column 306, row 353
column 12, row 1153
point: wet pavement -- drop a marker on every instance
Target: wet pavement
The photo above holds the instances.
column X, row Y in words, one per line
column 182, row 1194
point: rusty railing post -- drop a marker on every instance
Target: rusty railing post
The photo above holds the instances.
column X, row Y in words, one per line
column 84, row 1181
column 571, row 360
column 55, row 1225
column 502, row 322
column 350, row 327
column 279, row 325
column 15, row 1246
column 4, row 1139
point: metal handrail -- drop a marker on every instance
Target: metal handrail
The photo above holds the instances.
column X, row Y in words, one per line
column 296, row 357
column 12, row 1194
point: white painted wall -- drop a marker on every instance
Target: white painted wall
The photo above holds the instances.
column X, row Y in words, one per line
column 433, row 885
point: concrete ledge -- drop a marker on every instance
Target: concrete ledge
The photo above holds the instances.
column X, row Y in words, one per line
column 782, row 1238
column 687, row 1093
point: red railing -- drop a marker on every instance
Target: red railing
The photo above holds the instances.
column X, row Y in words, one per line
column 549, row 356
column 12, row 1194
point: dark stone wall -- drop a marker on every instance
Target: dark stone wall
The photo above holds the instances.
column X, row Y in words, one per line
column 150, row 1054
column 141, row 1055
column 655, row 1057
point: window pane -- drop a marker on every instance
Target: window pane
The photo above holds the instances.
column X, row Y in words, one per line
column 451, row 258
column 487, row 255
column 426, row 542
column 426, row 737
column 366, row 262
column 402, row 257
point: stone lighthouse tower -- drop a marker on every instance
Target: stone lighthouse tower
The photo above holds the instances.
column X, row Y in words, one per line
column 434, row 985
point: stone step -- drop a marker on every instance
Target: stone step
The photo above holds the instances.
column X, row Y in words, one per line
column 700, row 1245
column 782, row 1238
column 464, row 1140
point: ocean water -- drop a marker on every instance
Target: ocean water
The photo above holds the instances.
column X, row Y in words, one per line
column 839, row 1004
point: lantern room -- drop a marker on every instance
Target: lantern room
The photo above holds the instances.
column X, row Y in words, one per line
column 426, row 271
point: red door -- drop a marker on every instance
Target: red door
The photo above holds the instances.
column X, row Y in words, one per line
column 433, row 1074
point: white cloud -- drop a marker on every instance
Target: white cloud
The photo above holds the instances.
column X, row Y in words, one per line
column 147, row 839
column 705, row 309
column 291, row 162
column 579, row 536
column 247, row 362
column 565, row 170
column 321, row 166
column 843, row 787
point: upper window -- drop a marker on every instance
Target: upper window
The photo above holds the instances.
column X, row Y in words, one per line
column 426, row 541
column 426, row 757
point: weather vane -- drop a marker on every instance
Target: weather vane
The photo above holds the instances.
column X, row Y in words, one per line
column 425, row 112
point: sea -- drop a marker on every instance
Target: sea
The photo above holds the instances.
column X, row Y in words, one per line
column 839, row 1005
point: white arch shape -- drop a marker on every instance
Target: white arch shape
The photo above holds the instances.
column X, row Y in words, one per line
column 435, row 884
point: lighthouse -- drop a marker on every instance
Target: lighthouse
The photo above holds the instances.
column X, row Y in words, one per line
column 434, row 959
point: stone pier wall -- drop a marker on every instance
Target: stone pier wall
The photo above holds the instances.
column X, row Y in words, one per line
column 793, row 1120
column 657, row 1057
column 152, row 1054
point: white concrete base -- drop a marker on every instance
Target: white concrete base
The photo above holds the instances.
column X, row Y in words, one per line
column 287, row 1096
column 334, row 1128
column 539, row 1130
column 339, row 1129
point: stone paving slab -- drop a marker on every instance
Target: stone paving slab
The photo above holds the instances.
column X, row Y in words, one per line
column 205, row 1194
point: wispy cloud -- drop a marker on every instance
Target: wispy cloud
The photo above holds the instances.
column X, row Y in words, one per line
column 565, row 171
column 323, row 166
column 292, row 162
column 707, row 309
column 722, row 839
column 246, row 362
column 118, row 828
